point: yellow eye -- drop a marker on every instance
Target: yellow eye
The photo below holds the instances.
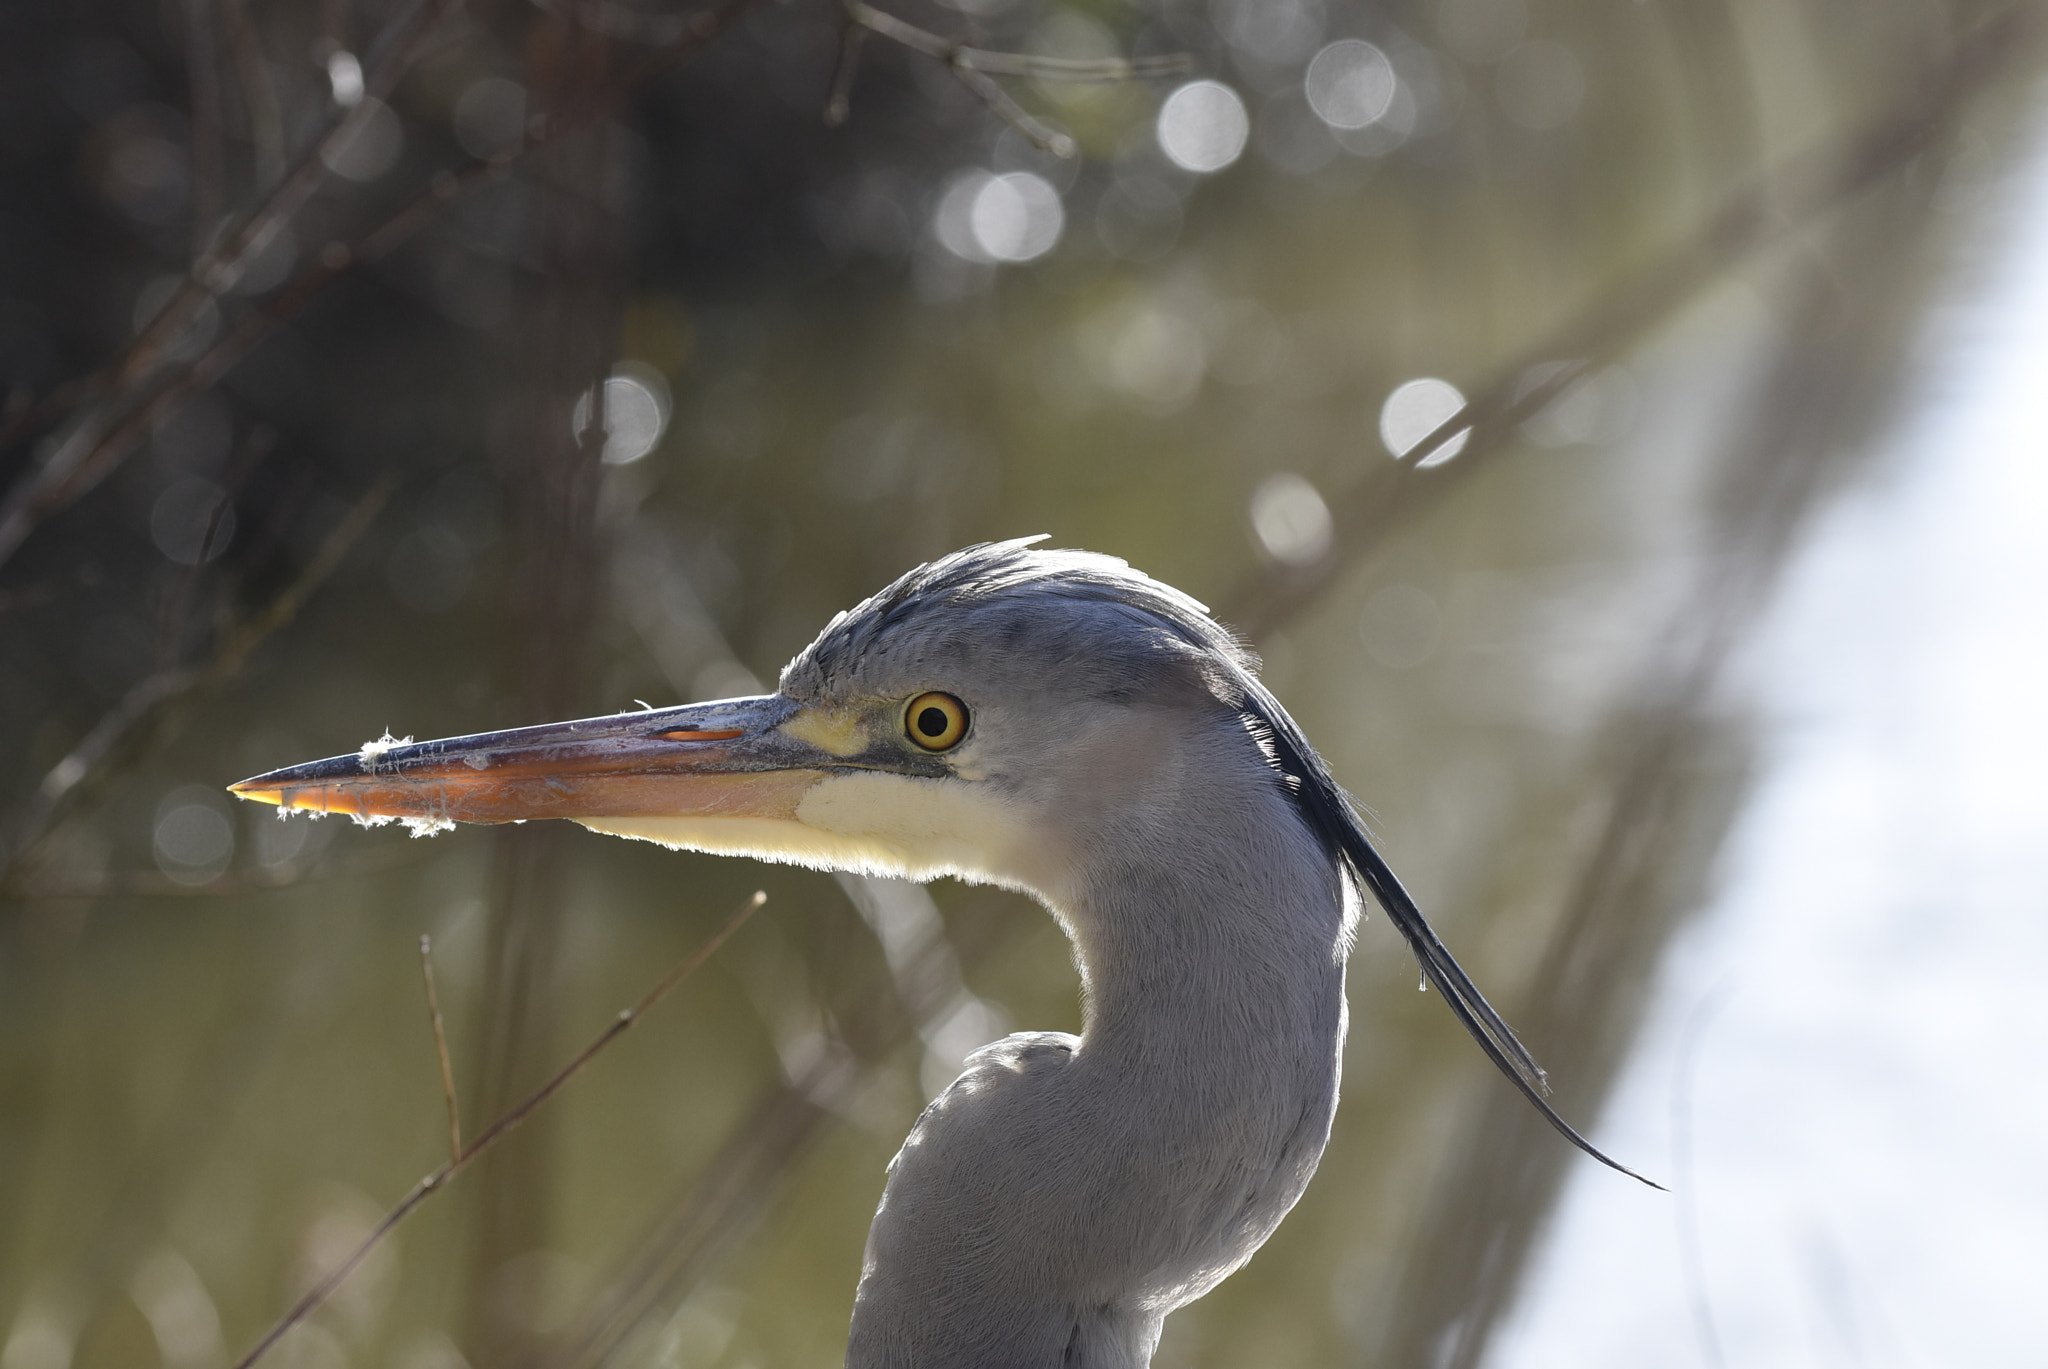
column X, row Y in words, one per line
column 935, row 721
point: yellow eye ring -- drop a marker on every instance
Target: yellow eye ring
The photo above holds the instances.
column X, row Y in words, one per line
column 935, row 722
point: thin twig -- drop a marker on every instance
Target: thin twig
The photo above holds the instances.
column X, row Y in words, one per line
column 30, row 420
column 1675, row 766
column 679, row 1250
column 91, row 450
column 727, row 1194
column 1040, row 133
column 96, row 449
column 101, row 442
column 976, row 69
column 324, row 1287
column 325, row 562
column 960, row 55
column 840, row 102
column 441, row 1050
column 1772, row 207
column 172, row 618
column 391, row 56
column 259, row 99
column 161, row 688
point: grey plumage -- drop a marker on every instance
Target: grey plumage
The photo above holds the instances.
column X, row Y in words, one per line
column 1067, row 1193
column 1122, row 763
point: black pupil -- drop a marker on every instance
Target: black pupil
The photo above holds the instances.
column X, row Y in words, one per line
column 932, row 721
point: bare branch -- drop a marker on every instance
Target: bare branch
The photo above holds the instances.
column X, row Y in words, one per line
column 157, row 691
column 734, row 1184
column 259, row 99
column 391, row 56
column 727, row 1194
column 960, row 56
column 433, row 1183
column 26, row 420
column 1037, row 130
column 129, row 409
column 441, row 1051
column 840, row 103
column 95, row 449
column 172, row 617
column 98, row 444
column 1775, row 205
column 976, row 69
column 701, row 28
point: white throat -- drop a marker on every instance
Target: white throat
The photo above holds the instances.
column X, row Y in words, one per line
column 1066, row 1193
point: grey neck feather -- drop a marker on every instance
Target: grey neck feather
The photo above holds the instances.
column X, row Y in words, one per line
column 1066, row 1193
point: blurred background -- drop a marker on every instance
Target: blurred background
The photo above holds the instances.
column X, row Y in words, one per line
column 1618, row 426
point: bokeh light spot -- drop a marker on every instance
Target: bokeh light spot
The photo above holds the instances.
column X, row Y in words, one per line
column 1350, row 84
column 170, row 1293
column 1203, row 126
column 192, row 837
column 266, row 267
column 345, row 78
column 1016, row 217
column 1272, row 31
column 636, row 412
column 192, row 521
column 374, row 148
column 41, row 1337
column 1291, row 520
column 1415, row 410
column 953, row 216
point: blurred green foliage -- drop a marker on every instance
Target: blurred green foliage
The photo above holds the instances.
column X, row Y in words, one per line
column 214, row 1059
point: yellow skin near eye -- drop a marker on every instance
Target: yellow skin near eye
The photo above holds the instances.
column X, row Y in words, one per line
column 935, row 721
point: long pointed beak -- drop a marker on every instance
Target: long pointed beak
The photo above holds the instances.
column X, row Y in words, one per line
column 730, row 758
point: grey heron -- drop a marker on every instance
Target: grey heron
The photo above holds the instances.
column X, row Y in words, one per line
column 1058, row 723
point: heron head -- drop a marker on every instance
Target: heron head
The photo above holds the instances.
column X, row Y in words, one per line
column 1007, row 715
column 984, row 716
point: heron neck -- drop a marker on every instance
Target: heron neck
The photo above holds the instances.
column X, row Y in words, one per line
column 1230, row 949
